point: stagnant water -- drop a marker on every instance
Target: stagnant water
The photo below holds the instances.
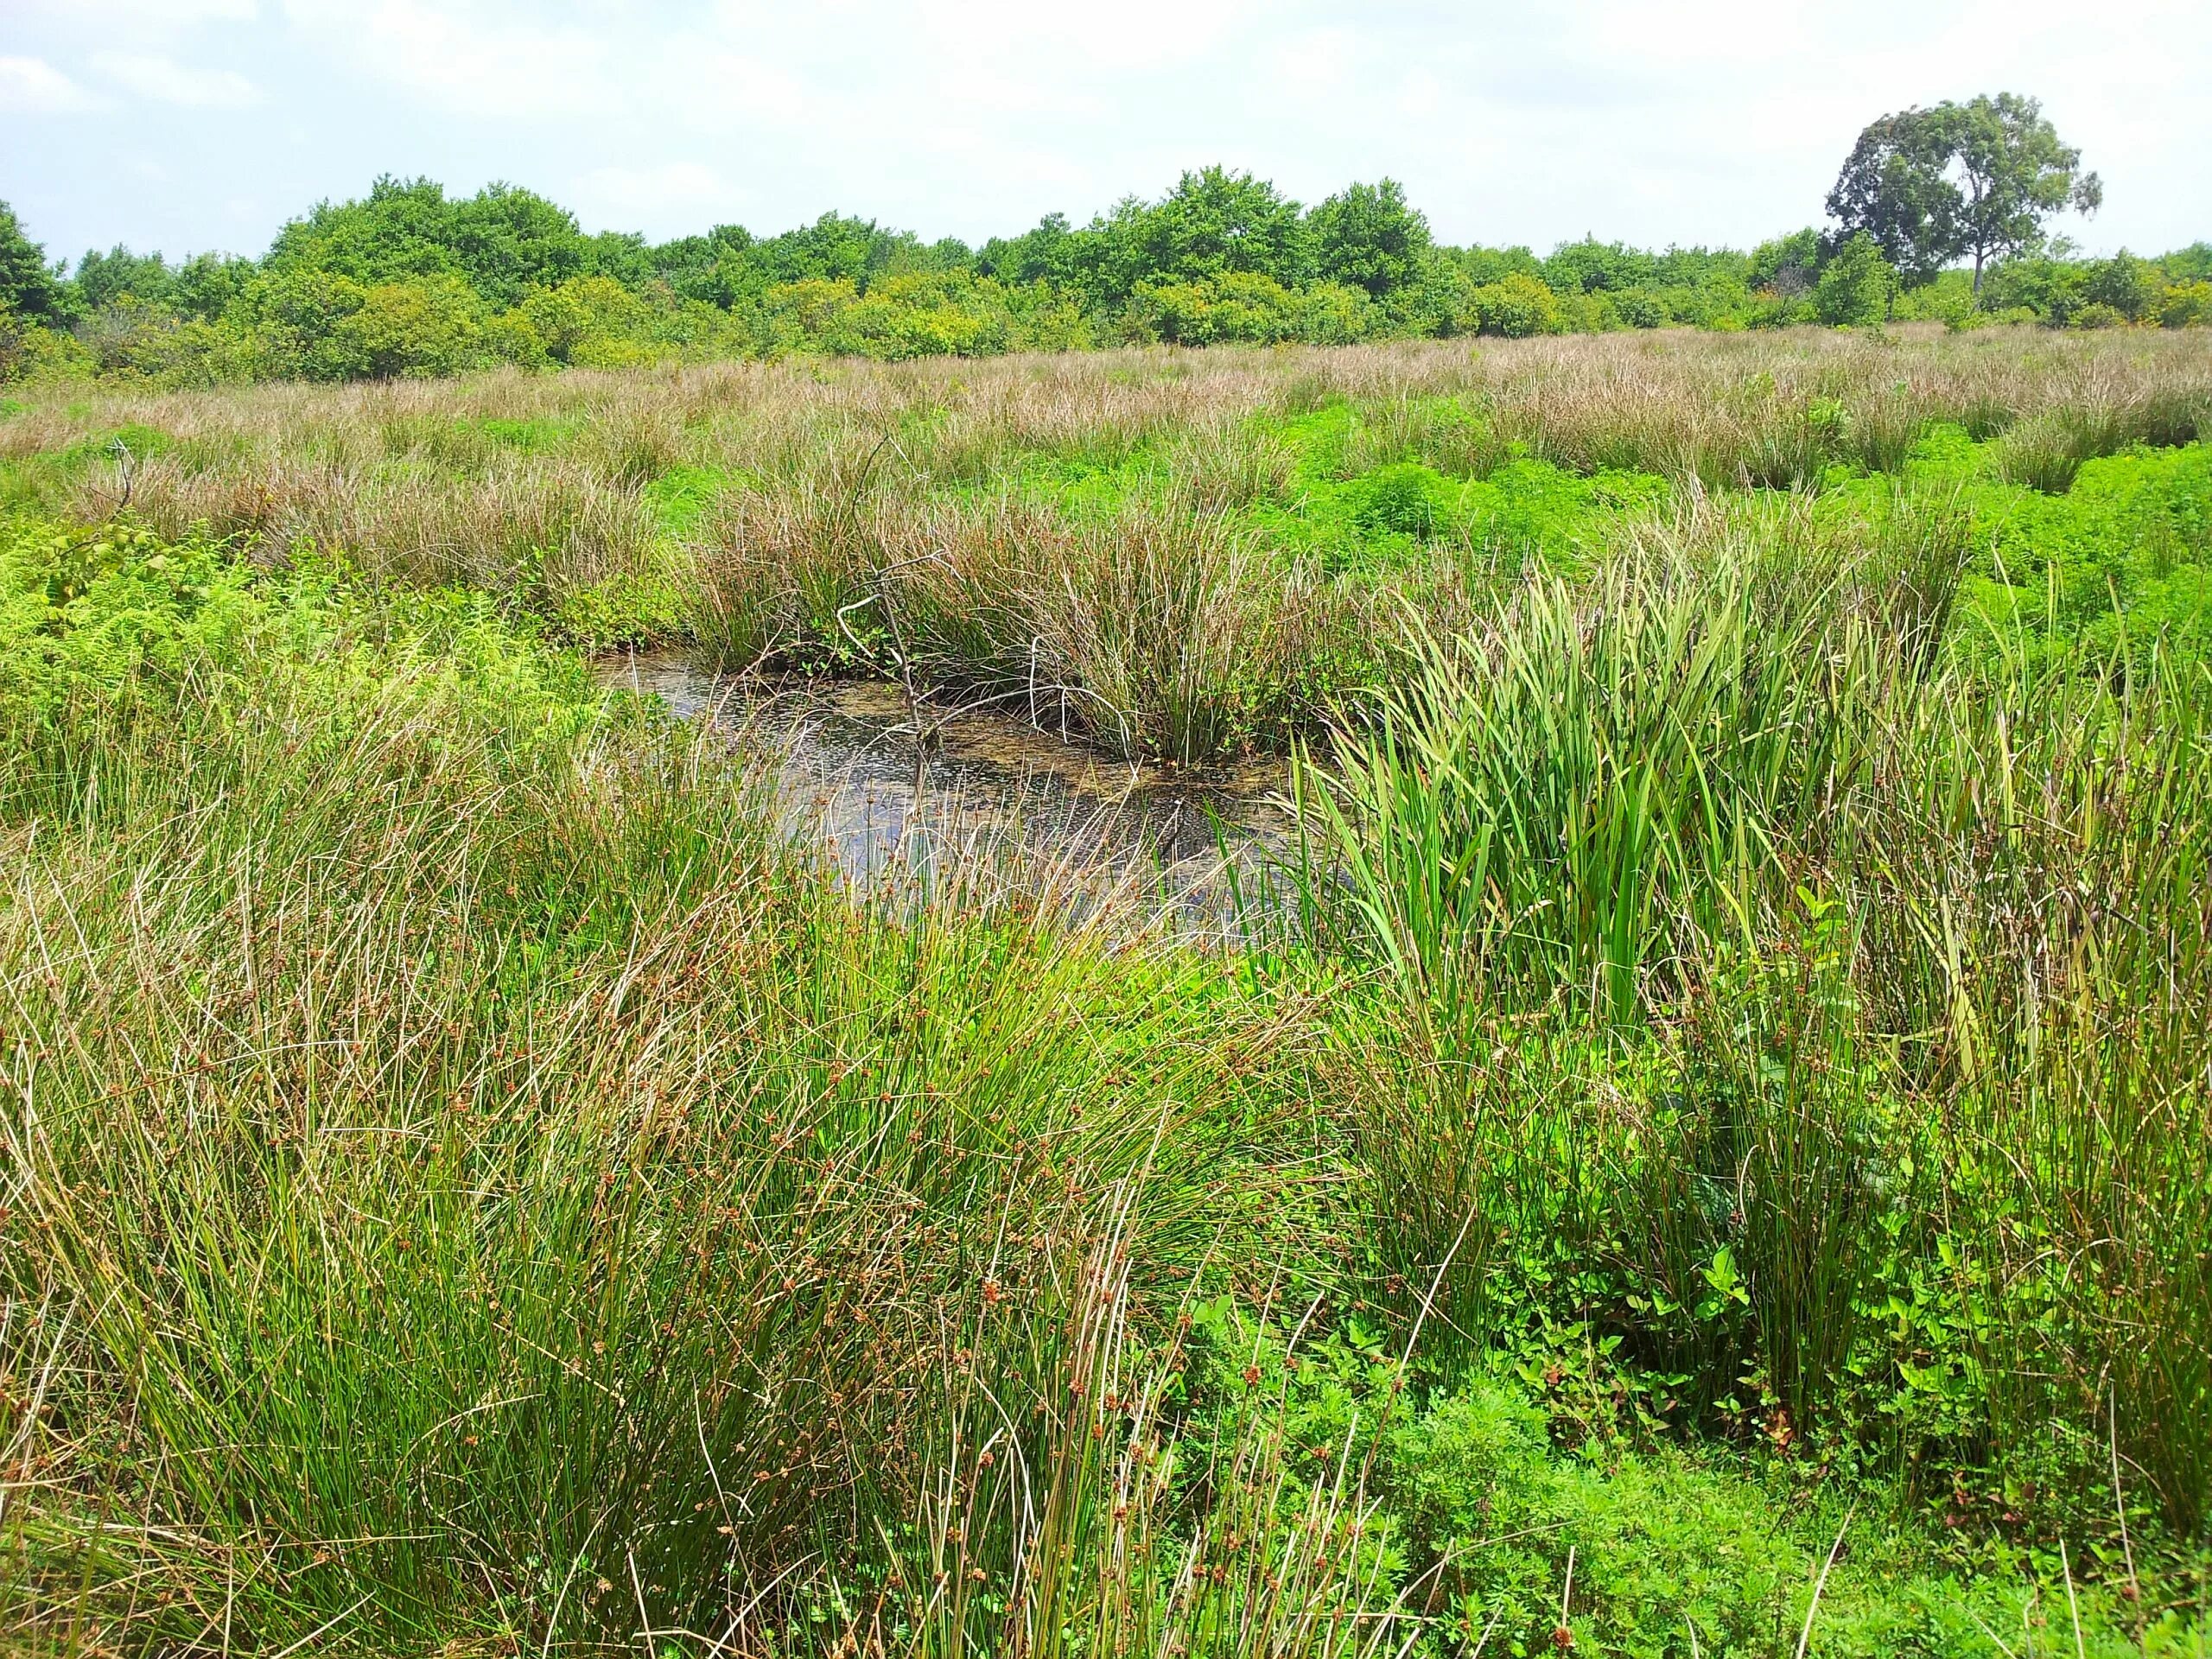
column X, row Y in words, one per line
column 976, row 784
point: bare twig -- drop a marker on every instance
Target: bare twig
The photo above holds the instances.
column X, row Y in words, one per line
column 1805, row 1636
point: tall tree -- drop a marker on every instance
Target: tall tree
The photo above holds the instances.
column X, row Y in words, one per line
column 103, row 278
column 2015, row 173
column 1212, row 222
column 1892, row 189
column 26, row 286
column 1979, row 178
column 1367, row 237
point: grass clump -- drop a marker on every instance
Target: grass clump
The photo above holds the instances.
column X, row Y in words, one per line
column 1863, row 1152
column 509, row 1118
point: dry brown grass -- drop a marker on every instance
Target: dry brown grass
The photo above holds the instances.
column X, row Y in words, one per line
column 1700, row 399
column 838, row 500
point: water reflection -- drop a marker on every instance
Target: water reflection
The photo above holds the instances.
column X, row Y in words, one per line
column 977, row 786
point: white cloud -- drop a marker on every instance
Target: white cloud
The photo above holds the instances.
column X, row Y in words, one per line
column 1059, row 41
column 1316, row 61
column 669, row 199
column 139, row 18
column 33, row 87
column 709, row 87
column 475, row 59
column 169, row 82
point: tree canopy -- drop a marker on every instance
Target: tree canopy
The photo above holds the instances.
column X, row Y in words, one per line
column 26, row 286
column 412, row 280
column 1932, row 187
column 2015, row 173
column 1366, row 236
column 502, row 241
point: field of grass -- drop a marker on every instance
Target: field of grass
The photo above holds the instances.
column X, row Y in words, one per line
column 1184, row 553
column 1713, row 1154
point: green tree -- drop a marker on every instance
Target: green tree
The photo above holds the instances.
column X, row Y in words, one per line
column 207, row 284
column 1367, row 238
column 503, row 241
column 1787, row 266
column 1052, row 252
column 2190, row 264
column 712, row 268
column 103, row 278
column 292, row 317
column 1979, row 178
column 1213, row 222
column 2014, row 173
column 1893, row 190
column 26, row 286
column 836, row 248
column 1593, row 267
column 2130, row 286
column 1859, row 285
column 507, row 240
column 402, row 228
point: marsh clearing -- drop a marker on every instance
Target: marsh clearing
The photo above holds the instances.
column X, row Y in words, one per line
column 890, row 787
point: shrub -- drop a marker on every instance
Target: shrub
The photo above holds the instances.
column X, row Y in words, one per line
column 1335, row 313
column 921, row 313
column 1949, row 299
column 1399, row 500
column 1244, row 308
column 1858, row 288
column 1639, row 308
column 580, row 313
column 291, row 320
column 2186, row 305
column 2125, row 285
column 418, row 330
column 1516, row 306
column 159, row 343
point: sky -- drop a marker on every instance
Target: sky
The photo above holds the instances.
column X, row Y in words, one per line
column 183, row 125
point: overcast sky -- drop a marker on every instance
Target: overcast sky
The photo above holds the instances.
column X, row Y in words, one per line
column 187, row 124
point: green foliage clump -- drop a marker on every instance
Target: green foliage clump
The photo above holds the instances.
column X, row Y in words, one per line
column 1515, row 307
column 409, row 283
column 1858, row 288
column 28, row 288
column 2118, row 567
column 1249, row 308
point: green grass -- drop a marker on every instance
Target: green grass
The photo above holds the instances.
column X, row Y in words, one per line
column 1189, row 599
column 468, row 1177
column 1730, row 1079
column 1886, row 935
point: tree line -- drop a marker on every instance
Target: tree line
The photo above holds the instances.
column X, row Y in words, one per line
column 1941, row 213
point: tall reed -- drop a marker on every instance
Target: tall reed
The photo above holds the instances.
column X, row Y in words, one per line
column 1905, row 954
column 465, row 1176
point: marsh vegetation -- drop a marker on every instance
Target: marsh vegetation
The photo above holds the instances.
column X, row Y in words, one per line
column 1700, row 1144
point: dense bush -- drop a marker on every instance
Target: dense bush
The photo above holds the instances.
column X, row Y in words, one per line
column 1858, row 286
column 1516, row 306
column 409, row 283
